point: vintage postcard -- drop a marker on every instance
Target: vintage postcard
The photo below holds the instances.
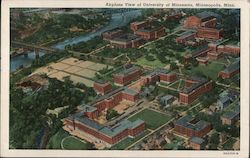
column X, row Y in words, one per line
column 124, row 78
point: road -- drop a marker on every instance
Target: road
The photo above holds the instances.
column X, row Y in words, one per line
column 227, row 86
column 160, row 38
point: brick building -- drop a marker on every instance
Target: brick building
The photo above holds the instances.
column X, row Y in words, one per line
column 209, row 33
column 102, row 87
column 126, row 41
column 151, row 32
column 213, row 55
column 110, row 135
column 115, row 97
column 130, row 95
column 167, row 77
column 138, row 25
column 88, row 111
column 186, row 36
column 197, row 143
column 190, row 127
column 231, row 70
column 127, row 75
column 203, row 19
column 193, row 89
column 108, row 35
column 202, row 60
column 229, row 49
column 84, row 119
column 231, row 117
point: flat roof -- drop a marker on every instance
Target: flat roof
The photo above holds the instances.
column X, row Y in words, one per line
column 230, row 114
column 233, row 67
column 127, row 71
column 101, row 82
column 149, row 29
column 207, row 14
column 121, row 126
column 185, row 122
column 201, row 81
column 109, row 131
column 130, row 91
column 197, row 140
column 87, row 108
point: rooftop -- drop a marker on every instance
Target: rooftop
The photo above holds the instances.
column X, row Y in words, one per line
column 130, row 91
column 233, row 67
column 197, row 140
column 101, row 82
column 149, row 29
column 200, row 82
column 185, row 121
column 125, row 72
column 166, row 97
column 138, row 22
column 123, row 125
column 206, row 14
column 87, row 108
column 109, row 131
column 230, row 114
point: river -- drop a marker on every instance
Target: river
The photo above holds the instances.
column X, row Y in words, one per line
column 117, row 20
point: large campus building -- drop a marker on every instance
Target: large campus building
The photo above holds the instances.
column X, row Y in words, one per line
column 108, row 35
column 84, row 120
column 110, row 135
column 126, row 41
column 203, row 19
column 209, row 33
column 191, row 127
column 193, row 89
column 127, row 75
column 148, row 30
column 206, row 25
column 231, row 70
column 102, row 87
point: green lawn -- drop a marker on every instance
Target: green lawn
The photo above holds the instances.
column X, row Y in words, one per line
column 152, row 118
column 153, row 64
column 228, row 145
column 128, row 141
column 211, row 70
column 72, row 143
column 178, row 85
column 55, row 140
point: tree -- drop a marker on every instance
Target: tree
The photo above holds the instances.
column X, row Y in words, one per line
column 111, row 113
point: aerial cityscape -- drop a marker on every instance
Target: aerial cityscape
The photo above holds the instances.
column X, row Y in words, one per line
column 124, row 79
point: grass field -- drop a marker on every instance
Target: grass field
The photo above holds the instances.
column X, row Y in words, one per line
column 153, row 64
column 211, row 70
column 55, row 140
column 72, row 143
column 128, row 141
column 152, row 118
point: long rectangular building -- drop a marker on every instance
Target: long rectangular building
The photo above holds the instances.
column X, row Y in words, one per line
column 127, row 75
column 194, row 90
column 190, row 127
column 111, row 135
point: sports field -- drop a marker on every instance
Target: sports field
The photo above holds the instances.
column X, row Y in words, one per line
column 72, row 143
column 79, row 71
column 153, row 119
